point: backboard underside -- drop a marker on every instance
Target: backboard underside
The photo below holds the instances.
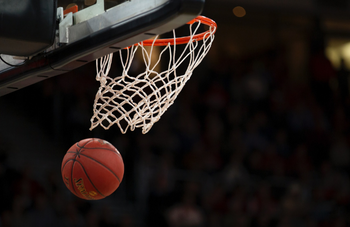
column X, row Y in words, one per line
column 116, row 28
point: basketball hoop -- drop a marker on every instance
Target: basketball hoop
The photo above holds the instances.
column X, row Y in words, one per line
column 139, row 101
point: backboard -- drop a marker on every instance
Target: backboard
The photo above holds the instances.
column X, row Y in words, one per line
column 96, row 31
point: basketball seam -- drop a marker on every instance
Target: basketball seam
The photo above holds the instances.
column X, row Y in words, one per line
column 90, row 179
column 113, row 150
column 84, row 144
column 71, row 174
column 66, row 163
column 89, row 148
column 101, row 148
column 102, row 165
column 75, row 160
column 71, row 177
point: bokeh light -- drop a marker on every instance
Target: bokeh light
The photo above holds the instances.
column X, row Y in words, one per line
column 239, row 11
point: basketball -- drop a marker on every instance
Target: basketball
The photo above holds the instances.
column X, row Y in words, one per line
column 92, row 169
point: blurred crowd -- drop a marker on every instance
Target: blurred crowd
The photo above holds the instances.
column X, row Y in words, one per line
column 244, row 145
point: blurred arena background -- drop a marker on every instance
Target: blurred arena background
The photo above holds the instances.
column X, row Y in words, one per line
column 259, row 137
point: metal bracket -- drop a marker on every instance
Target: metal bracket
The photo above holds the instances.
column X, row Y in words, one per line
column 63, row 28
column 89, row 12
column 60, row 14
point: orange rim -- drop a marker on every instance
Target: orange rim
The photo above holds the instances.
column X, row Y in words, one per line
column 184, row 40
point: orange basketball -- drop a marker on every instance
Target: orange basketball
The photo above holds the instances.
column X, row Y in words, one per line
column 92, row 169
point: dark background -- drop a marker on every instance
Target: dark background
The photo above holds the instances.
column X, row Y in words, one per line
column 259, row 137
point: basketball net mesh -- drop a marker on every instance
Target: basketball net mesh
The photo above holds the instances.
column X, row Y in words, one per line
column 138, row 101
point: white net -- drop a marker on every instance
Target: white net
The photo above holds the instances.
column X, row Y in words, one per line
column 138, row 101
